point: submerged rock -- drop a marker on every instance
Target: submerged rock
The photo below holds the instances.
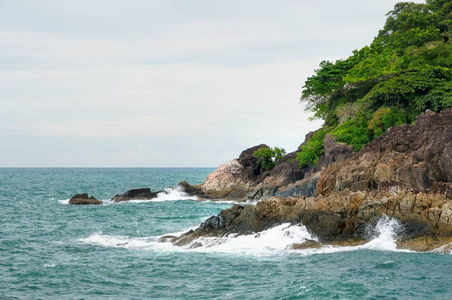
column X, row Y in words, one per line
column 84, row 199
column 136, row 194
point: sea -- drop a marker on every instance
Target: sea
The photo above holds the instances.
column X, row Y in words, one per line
column 50, row 249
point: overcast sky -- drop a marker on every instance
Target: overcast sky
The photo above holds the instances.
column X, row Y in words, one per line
column 143, row 83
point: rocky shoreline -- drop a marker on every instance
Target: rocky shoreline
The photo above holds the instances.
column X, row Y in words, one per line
column 405, row 174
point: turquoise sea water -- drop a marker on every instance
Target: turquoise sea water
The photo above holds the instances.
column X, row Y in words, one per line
column 52, row 250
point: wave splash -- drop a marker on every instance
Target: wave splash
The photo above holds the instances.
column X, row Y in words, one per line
column 384, row 235
column 274, row 241
column 174, row 194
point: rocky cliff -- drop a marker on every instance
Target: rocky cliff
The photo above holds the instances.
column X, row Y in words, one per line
column 243, row 179
column 405, row 174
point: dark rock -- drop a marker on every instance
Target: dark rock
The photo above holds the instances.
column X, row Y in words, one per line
column 333, row 152
column 305, row 187
column 84, row 199
column 193, row 190
column 136, row 194
column 251, row 164
column 415, row 156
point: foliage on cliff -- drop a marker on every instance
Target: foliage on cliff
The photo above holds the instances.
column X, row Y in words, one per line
column 269, row 157
column 406, row 70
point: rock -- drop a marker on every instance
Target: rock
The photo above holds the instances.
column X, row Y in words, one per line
column 426, row 243
column 136, row 194
column 351, row 242
column 333, row 152
column 84, row 199
column 415, row 156
column 308, row 244
column 193, row 190
column 305, row 187
column 251, row 165
column 227, row 182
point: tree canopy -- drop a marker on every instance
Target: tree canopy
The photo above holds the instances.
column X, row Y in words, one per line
column 406, row 70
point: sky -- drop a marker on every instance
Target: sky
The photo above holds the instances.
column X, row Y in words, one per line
column 170, row 83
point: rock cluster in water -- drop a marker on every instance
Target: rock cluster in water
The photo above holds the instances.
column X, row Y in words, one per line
column 84, row 199
column 405, row 174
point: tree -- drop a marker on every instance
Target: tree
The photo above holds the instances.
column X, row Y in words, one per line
column 269, row 157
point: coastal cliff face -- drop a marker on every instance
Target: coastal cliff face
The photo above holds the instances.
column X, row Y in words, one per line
column 415, row 156
column 405, row 174
column 243, row 179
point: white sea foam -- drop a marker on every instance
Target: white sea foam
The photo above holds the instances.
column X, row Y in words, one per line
column 99, row 239
column 50, row 265
column 268, row 242
column 274, row 241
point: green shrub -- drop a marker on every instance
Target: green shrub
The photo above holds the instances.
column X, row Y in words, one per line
column 311, row 151
column 354, row 133
column 384, row 118
column 269, row 157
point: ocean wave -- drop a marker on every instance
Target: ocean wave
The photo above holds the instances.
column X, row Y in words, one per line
column 274, row 241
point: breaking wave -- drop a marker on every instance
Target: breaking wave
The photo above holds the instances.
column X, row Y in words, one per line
column 274, row 241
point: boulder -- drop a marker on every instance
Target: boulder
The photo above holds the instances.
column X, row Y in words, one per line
column 227, row 182
column 136, row 194
column 84, row 199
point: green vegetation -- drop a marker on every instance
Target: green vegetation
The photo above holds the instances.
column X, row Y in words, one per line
column 406, row 70
column 269, row 157
column 312, row 149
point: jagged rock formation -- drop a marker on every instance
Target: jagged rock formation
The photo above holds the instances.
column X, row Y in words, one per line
column 404, row 174
column 415, row 156
column 242, row 179
column 84, row 199
column 136, row 194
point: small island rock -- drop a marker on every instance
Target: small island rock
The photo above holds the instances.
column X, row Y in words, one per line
column 84, row 199
column 136, row 194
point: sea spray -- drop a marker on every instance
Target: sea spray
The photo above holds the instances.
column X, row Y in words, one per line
column 383, row 235
column 270, row 241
